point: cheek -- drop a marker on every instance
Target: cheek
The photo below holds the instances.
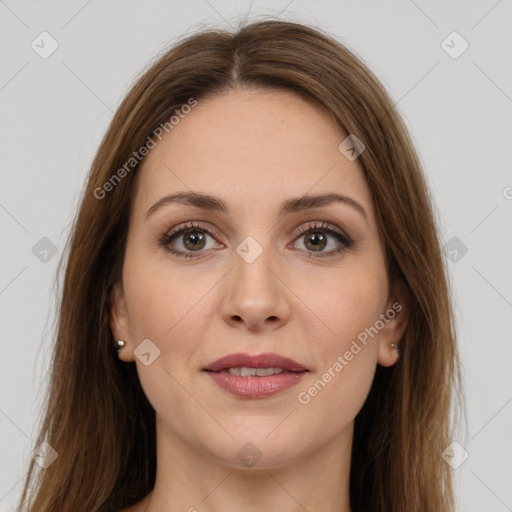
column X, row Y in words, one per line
column 349, row 307
column 156, row 297
column 167, row 306
column 347, row 304
column 333, row 397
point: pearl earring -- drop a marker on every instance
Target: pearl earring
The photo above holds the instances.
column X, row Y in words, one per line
column 120, row 344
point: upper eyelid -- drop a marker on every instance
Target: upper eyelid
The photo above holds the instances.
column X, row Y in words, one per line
column 303, row 229
column 201, row 225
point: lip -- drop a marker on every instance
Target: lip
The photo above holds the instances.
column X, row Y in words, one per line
column 254, row 386
column 268, row 360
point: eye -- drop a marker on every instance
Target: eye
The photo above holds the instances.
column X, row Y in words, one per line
column 191, row 239
column 315, row 238
column 187, row 240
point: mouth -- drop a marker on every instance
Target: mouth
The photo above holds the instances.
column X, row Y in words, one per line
column 258, row 376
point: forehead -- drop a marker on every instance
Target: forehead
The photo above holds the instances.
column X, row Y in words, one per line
column 251, row 147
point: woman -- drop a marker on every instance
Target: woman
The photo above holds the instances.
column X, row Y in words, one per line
column 255, row 312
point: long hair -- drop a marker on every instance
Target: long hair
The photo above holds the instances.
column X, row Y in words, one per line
column 96, row 415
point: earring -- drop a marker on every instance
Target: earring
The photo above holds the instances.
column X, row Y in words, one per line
column 120, row 344
column 394, row 346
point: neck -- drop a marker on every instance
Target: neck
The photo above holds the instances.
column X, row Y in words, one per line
column 191, row 479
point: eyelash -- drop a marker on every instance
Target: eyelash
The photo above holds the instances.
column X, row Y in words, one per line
column 167, row 237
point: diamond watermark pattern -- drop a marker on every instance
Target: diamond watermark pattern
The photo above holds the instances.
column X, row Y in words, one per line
column 44, row 45
column 454, row 45
column 147, row 352
column 454, row 455
column 454, row 249
column 44, row 250
column 44, row 455
column 249, row 249
column 351, row 147
column 249, row 455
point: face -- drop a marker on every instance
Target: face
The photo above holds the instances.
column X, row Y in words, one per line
column 255, row 272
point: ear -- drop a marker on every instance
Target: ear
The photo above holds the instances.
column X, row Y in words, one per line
column 397, row 316
column 118, row 320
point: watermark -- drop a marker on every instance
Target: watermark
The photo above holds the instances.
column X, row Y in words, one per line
column 305, row 397
column 44, row 455
column 249, row 454
column 454, row 455
column 249, row 249
column 44, row 45
column 454, row 45
column 146, row 352
column 455, row 249
column 351, row 147
column 44, row 250
column 133, row 161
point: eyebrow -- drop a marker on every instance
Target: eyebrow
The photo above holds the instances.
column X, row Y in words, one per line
column 215, row 204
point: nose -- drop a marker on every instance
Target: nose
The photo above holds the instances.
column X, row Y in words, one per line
column 255, row 296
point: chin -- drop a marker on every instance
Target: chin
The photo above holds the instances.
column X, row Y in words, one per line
column 259, row 448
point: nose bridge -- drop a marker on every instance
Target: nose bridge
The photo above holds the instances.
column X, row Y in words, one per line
column 256, row 294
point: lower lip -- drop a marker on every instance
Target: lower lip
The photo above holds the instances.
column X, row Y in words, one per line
column 256, row 387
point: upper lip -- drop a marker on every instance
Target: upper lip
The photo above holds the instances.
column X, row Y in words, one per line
column 268, row 360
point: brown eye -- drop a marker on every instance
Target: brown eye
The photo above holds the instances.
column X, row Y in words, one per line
column 316, row 241
column 191, row 240
column 194, row 240
column 323, row 240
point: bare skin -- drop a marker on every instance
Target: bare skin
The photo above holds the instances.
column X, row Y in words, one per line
column 254, row 150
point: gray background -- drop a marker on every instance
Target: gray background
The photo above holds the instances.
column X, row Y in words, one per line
column 54, row 112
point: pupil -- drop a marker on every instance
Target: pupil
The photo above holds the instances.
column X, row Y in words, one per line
column 193, row 241
column 317, row 240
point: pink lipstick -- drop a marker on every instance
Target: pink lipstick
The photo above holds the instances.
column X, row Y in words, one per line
column 257, row 376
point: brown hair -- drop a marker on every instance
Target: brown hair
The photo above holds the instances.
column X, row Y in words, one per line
column 97, row 416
